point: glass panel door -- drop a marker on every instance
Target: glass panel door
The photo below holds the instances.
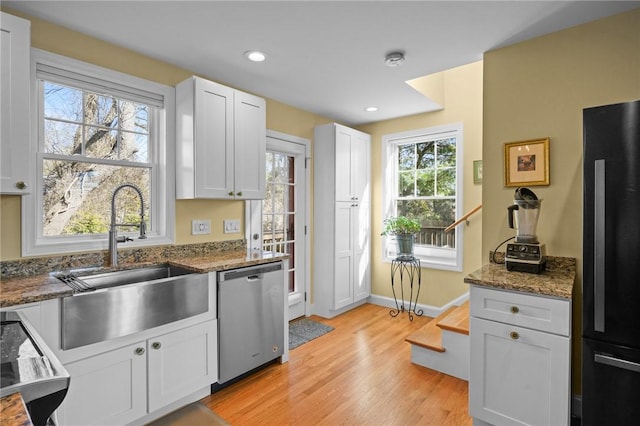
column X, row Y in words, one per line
column 279, row 210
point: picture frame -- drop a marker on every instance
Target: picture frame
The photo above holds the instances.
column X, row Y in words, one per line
column 477, row 171
column 526, row 163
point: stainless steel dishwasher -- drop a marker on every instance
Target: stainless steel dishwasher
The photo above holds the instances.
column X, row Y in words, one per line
column 250, row 318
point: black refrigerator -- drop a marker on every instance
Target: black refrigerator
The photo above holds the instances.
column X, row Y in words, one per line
column 611, row 265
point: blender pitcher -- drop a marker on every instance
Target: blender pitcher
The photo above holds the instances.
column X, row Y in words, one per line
column 526, row 209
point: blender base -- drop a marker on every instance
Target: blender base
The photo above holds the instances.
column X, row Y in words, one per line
column 532, row 268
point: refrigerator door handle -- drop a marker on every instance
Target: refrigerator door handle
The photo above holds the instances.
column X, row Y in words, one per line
column 616, row 362
column 599, row 246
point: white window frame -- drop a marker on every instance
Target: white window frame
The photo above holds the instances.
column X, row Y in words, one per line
column 162, row 210
column 430, row 257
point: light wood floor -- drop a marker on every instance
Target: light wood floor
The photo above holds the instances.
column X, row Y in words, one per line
column 360, row 373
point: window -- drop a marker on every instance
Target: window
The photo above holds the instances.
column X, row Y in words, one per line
column 96, row 129
column 423, row 180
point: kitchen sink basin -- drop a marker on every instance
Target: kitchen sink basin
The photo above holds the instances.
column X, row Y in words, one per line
column 119, row 303
column 89, row 281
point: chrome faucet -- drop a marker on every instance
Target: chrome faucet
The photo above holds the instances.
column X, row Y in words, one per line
column 113, row 232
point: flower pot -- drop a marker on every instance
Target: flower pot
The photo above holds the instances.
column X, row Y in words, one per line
column 405, row 245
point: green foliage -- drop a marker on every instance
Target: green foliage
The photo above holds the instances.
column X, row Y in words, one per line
column 400, row 225
column 87, row 223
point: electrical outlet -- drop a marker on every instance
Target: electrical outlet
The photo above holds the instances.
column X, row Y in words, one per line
column 199, row 227
column 231, row 226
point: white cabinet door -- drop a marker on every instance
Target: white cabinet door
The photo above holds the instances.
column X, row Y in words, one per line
column 343, row 279
column 213, row 140
column 250, row 146
column 107, row 389
column 181, row 363
column 361, row 251
column 518, row 376
column 343, row 178
column 360, row 167
column 14, row 105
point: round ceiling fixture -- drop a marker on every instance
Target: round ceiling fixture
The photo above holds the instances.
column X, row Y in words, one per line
column 255, row 55
column 394, row 59
column 371, row 108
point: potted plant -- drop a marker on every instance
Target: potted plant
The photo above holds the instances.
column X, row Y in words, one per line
column 404, row 229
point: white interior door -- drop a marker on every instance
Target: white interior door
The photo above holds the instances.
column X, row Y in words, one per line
column 279, row 222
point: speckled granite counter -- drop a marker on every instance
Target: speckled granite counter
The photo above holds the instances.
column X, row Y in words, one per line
column 32, row 280
column 556, row 281
column 13, row 411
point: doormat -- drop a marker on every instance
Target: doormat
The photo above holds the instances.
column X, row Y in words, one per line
column 304, row 330
column 195, row 414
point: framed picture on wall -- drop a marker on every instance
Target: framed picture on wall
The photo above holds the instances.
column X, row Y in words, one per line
column 526, row 163
column 477, row 171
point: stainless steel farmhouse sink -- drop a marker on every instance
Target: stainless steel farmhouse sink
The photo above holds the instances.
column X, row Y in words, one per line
column 119, row 303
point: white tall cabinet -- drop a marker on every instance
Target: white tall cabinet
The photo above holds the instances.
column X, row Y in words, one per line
column 15, row 37
column 342, row 218
column 221, row 142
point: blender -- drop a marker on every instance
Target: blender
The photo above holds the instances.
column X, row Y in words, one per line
column 526, row 254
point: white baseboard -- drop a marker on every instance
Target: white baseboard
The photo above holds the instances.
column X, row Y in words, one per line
column 428, row 310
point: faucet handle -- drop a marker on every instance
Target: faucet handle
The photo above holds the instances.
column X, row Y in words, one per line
column 123, row 239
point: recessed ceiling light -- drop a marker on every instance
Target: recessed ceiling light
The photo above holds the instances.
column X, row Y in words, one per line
column 371, row 108
column 255, row 55
column 394, row 59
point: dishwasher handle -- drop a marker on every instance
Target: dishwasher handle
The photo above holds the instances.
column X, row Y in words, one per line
column 253, row 273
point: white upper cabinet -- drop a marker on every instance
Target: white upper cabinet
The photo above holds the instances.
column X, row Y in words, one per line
column 14, row 103
column 221, row 142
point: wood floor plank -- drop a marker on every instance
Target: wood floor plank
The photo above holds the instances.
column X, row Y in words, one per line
column 358, row 374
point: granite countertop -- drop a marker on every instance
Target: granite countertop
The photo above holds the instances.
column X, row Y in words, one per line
column 21, row 289
column 556, row 281
column 13, row 411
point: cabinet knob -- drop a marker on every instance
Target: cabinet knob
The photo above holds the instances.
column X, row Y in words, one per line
column 239, row 194
column 231, row 193
column 21, row 185
column 514, row 335
column 156, row 345
column 515, row 309
column 139, row 351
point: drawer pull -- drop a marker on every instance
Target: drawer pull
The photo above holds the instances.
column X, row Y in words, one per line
column 515, row 309
column 514, row 335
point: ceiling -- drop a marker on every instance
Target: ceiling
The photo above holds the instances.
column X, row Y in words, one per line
column 322, row 56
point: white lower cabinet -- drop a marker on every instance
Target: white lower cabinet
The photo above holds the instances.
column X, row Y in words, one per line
column 181, row 362
column 519, row 375
column 107, row 389
column 124, row 384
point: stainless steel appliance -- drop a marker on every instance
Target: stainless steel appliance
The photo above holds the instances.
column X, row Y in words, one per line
column 611, row 265
column 115, row 304
column 28, row 366
column 250, row 318
column 526, row 254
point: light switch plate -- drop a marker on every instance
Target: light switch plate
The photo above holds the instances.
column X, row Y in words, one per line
column 231, row 226
column 199, row 227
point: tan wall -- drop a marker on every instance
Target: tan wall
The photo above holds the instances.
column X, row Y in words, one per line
column 538, row 89
column 462, row 103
